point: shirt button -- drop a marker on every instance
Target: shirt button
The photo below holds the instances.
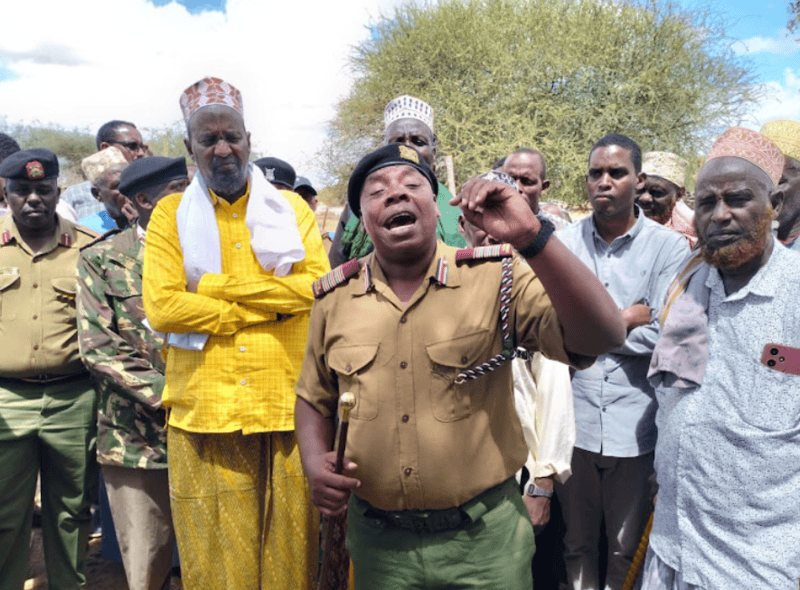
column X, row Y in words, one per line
column 238, row 245
column 604, row 409
column 463, row 360
column 348, row 368
column 35, row 285
column 405, row 418
column 403, row 320
column 242, row 349
column 36, row 317
column 605, row 284
column 408, row 471
column 35, row 347
column 235, row 215
column 243, row 381
column 605, row 378
column 403, row 365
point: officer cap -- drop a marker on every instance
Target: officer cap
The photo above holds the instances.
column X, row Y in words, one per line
column 303, row 181
column 32, row 164
column 394, row 154
column 277, row 171
column 145, row 173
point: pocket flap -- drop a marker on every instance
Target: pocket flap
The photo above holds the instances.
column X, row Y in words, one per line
column 461, row 352
column 6, row 280
column 347, row 360
column 66, row 285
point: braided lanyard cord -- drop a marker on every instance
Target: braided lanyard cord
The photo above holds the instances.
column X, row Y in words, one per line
column 508, row 345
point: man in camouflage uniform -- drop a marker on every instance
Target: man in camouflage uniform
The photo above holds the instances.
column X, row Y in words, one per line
column 125, row 360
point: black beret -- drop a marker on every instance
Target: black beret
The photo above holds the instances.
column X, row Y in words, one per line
column 277, row 171
column 394, row 154
column 303, row 181
column 33, row 164
column 145, row 173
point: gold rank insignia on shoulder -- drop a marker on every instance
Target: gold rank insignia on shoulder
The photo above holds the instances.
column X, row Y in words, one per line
column 485, row 253
column 409, row 154
column 336, row 277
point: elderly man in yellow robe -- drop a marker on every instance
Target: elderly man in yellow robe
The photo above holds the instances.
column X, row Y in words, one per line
column 228, row 271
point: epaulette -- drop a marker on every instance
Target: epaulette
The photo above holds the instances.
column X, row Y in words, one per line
column 5, row 238
column 336, row 277
column 484, row 253
column 100, row 238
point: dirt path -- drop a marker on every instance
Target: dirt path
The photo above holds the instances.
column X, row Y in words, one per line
column 100, row 573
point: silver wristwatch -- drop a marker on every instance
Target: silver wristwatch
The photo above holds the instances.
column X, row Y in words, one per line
column 533, row 490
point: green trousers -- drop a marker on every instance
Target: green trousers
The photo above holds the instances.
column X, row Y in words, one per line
column 48, row 427
column 492, row 552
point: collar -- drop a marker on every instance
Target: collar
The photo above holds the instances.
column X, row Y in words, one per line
column 215, row 200
column 763, row 283
column 442, row 270
column 64, row 234
column 628, row 235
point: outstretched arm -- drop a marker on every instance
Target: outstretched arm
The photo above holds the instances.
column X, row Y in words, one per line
column 591, row 322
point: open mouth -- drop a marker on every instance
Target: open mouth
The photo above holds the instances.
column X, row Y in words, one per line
column 400, row 220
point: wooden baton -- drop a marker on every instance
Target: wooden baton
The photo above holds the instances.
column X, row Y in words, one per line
column 335, row 571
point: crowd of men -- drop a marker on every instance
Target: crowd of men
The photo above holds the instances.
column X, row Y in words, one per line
column 535, row 399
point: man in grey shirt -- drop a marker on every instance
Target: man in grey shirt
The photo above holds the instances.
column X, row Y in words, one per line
column 636, row 259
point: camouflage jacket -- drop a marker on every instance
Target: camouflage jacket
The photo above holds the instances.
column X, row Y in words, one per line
column 122, row 354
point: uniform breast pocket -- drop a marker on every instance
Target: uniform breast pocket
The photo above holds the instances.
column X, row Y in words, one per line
column 451, row 402
column 126, row 291
column 352, row 364
column 64, row 291
column 8, row 284
column 773, row 401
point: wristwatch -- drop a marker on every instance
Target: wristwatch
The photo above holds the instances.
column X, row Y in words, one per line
column 540, row 241
column 533, row 490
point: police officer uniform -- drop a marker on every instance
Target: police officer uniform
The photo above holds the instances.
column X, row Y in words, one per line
column 48, row 408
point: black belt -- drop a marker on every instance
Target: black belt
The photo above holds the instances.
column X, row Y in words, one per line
column 51, row 378
column 450, row 519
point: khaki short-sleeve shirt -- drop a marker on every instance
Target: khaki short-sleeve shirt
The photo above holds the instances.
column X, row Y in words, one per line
column 421, row 441
column 38, row 330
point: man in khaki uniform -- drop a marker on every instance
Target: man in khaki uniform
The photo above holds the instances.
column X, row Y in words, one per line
column 48, row 408
column 414, row 331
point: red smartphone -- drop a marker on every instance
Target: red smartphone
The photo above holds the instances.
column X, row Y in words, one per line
column 779, row 357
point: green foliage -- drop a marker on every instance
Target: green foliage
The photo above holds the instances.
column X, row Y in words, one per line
column 794, row 12
column 70, row 145
column 167, row 141
column 552, row 74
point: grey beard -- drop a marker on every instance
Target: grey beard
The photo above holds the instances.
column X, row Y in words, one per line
column 228, row 184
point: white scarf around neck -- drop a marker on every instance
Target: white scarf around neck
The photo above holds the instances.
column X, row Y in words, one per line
column 274, row 236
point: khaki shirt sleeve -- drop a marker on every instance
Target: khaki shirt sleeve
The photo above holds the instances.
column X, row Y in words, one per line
column 535, row 320
column 318, row 385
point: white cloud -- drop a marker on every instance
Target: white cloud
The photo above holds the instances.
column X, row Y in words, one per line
column 782, row 44
column 781, row 101
column 94, row 60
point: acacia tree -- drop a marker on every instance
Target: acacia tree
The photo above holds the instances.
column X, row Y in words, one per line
column 553, row 74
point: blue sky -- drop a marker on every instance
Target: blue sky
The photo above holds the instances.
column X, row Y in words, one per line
column 195, row 6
